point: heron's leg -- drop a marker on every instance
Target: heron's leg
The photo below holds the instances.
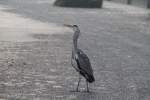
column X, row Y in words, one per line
column 78, row 83
column 87, row 86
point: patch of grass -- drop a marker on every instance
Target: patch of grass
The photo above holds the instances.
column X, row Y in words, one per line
column 79, row 3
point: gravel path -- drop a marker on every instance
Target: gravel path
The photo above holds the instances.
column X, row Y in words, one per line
column 116, row 39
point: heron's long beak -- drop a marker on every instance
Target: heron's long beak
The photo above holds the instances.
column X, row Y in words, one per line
column 67, row 25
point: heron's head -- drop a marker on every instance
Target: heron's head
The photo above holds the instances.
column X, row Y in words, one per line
column 75, row 29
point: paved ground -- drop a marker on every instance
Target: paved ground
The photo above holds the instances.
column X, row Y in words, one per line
column 35, row 51
column 139, row 3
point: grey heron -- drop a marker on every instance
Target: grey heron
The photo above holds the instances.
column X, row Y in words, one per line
column 80, row 60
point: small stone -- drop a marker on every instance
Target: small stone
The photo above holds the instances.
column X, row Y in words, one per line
column 57, row 86
column 24, row 63
column 51, row 82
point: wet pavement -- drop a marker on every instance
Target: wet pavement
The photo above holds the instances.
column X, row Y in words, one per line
column 35, row 51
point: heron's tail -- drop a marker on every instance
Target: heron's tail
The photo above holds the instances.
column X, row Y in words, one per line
column 90, row 78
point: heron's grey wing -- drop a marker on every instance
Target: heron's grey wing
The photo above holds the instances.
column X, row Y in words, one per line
column 74, row 62
column 84, row 62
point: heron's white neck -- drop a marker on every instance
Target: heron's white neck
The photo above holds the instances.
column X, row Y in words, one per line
column 75, row 42
column 75, row 47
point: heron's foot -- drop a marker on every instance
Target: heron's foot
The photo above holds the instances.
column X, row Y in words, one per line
column 77, row 90
column 88, row 91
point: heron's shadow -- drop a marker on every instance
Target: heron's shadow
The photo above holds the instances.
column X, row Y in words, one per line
column 83, row 91
column 84, row 95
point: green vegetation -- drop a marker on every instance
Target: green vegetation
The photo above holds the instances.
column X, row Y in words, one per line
column 79, row 3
